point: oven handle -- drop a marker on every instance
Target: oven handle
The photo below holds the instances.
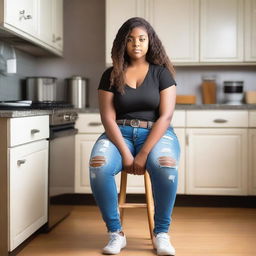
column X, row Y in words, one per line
column 62, row 133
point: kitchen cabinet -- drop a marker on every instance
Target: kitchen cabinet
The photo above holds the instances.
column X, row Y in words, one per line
column 117, row 12
column 22, row 16
column 250, row 30
column 39, row 22
column 51, row 20
column 28, row 190
column 221, row 31
column 216, row 153
column 57, row 13
column 24, row 178
column 177, row 25
column 193, row 32
column 252, row 152
column 89, row 128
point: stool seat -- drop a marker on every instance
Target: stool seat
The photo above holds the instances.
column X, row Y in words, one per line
column 149, row 200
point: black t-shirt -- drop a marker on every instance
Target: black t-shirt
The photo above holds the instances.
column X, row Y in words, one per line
column 143, row 102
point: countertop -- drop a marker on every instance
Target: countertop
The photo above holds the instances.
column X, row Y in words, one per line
column 193, row 107
column 35, row 112
column 23, row 112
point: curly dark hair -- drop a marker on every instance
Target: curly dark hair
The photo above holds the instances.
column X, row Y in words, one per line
column 155, row 55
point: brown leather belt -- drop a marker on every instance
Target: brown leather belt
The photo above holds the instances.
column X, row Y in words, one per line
column 135, row 123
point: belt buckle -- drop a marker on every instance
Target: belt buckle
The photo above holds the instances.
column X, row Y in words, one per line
column 135, row 123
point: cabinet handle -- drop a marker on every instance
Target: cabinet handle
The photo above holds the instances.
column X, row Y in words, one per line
column 20, row 162
column 33, row 131
column 95, row 124
column 187, row 139
column 220, row 120
column 58, row 39
column 25, row 17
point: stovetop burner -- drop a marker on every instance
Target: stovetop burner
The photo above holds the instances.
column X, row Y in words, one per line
column 51, row 105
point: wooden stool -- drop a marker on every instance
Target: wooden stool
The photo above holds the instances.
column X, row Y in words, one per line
column 149, row 200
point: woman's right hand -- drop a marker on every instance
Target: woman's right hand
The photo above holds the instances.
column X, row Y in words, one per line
column 128, row 162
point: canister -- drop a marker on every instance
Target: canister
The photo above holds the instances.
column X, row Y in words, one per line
column 78, row 91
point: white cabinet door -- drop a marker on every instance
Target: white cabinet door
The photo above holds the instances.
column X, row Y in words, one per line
column 84, row 144
column 57, row 13
column 180, row 132
column 177, row 25
column 117, row 12
column 250, row 30
column 216, row 161
column 46, row 22
column 28, row 193
column 221, row 31
column 252, row 161
column 23, row 15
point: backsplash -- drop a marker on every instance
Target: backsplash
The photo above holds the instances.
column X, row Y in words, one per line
column 189, row 79
column 11, row 87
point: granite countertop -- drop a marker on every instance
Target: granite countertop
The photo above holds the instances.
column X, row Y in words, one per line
column 37, row 112
column 23, row 112
column 193, row 107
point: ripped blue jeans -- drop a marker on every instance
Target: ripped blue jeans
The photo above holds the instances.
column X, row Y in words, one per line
column 164, row 177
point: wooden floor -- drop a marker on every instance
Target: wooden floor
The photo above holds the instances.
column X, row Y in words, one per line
column 195, row 231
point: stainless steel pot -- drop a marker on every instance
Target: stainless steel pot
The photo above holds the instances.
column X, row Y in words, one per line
column 41, row 88
column 78, row 91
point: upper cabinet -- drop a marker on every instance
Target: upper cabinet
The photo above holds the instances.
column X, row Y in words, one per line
column 250, row 30
column 22, row 15
column 177, row 25
column 221, row 29
column 117, row 12
column 57, row 12
column 193, row 32
column 39, row 22
column 51, row 20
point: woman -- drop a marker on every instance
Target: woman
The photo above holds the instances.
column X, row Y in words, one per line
column 136, row 101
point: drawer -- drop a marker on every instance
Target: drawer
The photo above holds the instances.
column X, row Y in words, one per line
column 179, row 118
column 89, row 123
column 217, row 118
column 252, row 118
column 28, row 129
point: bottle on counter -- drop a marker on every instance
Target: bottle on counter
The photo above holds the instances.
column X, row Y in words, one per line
column 208, row 88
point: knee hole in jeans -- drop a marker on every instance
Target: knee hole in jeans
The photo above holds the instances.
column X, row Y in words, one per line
column 167, row 161
column 97, row 161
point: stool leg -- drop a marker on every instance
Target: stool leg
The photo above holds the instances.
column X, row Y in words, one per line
column 122, row 194
column 150, row 203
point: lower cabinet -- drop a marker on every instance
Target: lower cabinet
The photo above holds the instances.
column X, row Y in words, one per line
column 252, row 161
column 84, row 144
column 28, row 190
column 216, row 161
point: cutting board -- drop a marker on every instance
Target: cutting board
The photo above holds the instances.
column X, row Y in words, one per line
column 185, row 99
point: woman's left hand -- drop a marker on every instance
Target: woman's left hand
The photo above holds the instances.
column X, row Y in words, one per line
column 139, row 163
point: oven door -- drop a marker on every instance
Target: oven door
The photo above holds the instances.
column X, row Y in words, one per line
column 61, row 171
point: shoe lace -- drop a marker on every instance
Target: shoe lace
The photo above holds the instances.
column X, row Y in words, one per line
column 113, row 240
column 165, row 240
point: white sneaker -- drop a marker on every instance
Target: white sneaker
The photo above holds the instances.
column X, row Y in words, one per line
column 163, row 245
column 116, row 243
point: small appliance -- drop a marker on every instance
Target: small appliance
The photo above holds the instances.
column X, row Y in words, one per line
column 233, row 92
